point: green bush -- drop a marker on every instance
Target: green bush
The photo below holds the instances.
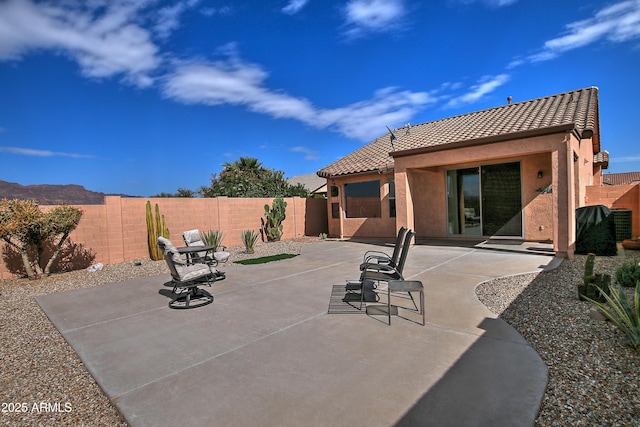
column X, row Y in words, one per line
column 628, row 274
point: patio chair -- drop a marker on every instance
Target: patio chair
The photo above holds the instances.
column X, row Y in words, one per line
column 382, row 273
column 381, row 258
column 186, row 278
column 193, row 238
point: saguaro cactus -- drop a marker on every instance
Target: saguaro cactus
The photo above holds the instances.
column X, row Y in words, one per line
column 155, row 228
column 275, row 216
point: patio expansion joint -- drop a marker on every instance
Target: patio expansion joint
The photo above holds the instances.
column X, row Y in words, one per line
column 300, row 273
column 231, row 350
column 442, row 263
column 115, row 319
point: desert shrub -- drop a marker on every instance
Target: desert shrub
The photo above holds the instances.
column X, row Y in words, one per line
column 212, row 238
column 628, row 274
column 623, row 314
column 249, row 238
column 28, row 230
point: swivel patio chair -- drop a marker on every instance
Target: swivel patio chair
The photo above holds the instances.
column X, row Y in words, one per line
column 194, row 238
column 186, row 278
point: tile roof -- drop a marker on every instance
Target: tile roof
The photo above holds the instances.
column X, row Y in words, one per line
column 623, row 178
column 575, row 110
column 602, row 159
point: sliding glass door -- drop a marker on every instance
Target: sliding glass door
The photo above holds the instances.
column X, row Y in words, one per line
column 485, row 201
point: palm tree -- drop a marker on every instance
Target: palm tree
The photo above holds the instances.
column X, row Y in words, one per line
column 244, row 164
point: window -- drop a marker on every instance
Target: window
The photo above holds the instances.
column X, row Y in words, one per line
column 392, row 198
column 363, row 199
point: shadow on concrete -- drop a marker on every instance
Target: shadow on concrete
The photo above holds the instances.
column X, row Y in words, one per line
column 472, row 391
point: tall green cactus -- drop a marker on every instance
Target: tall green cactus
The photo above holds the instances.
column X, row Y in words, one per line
column 587, row 277
column 593, row 285
column 275, row 215
column 155, row 228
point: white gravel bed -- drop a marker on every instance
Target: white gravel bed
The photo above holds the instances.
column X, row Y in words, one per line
column 594, row 376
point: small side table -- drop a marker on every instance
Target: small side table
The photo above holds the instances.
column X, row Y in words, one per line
column 406, row 286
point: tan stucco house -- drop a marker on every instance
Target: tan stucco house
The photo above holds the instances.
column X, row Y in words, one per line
column 517, row 171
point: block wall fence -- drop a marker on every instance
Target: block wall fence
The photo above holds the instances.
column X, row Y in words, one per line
column 618, row 197
column 116, row 231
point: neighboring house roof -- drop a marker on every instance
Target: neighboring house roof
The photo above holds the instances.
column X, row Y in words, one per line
column 312, row 182
column 623, row 178
column 575, row 111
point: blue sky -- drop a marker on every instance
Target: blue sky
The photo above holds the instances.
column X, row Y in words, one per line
column 141, row 96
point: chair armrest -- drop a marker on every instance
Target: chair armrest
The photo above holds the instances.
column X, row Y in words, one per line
column 376, row 255
column 383, row 270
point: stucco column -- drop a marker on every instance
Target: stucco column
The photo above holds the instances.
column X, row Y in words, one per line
column 563, row 200
column 404, row 200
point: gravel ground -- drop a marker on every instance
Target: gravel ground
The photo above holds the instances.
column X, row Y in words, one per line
column 593, row 375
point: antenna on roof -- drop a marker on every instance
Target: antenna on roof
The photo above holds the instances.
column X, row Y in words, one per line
column 393, row 136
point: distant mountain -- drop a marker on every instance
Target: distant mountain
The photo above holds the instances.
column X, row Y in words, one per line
column 47, row 194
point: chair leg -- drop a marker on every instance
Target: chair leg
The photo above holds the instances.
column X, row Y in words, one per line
column 422, row 306
column 389, row 305
column 413, row 301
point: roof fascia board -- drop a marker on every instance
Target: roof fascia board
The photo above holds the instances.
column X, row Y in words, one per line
column 378, row 171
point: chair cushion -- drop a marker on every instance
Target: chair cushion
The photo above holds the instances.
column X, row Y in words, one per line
column 168, row 248
column 191, row 272
column 221, row 256
column 192, row 238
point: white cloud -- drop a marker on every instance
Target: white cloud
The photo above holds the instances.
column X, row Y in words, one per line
column 309, row 154
column 210, row 11
column 43, row 153
column 486, row 85
column 168, row 17
column 239, row 83
column 624, row 159
column 103, row 39
column 294, row 6
column 364, row 120
column 107, row 38
column 492, row 3
column 363, row 17
column 617, row 23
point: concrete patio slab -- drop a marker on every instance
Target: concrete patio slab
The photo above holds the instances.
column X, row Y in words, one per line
column 267, row 353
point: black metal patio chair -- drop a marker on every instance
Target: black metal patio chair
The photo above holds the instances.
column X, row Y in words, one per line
column 374, row 273
column 382, row 258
